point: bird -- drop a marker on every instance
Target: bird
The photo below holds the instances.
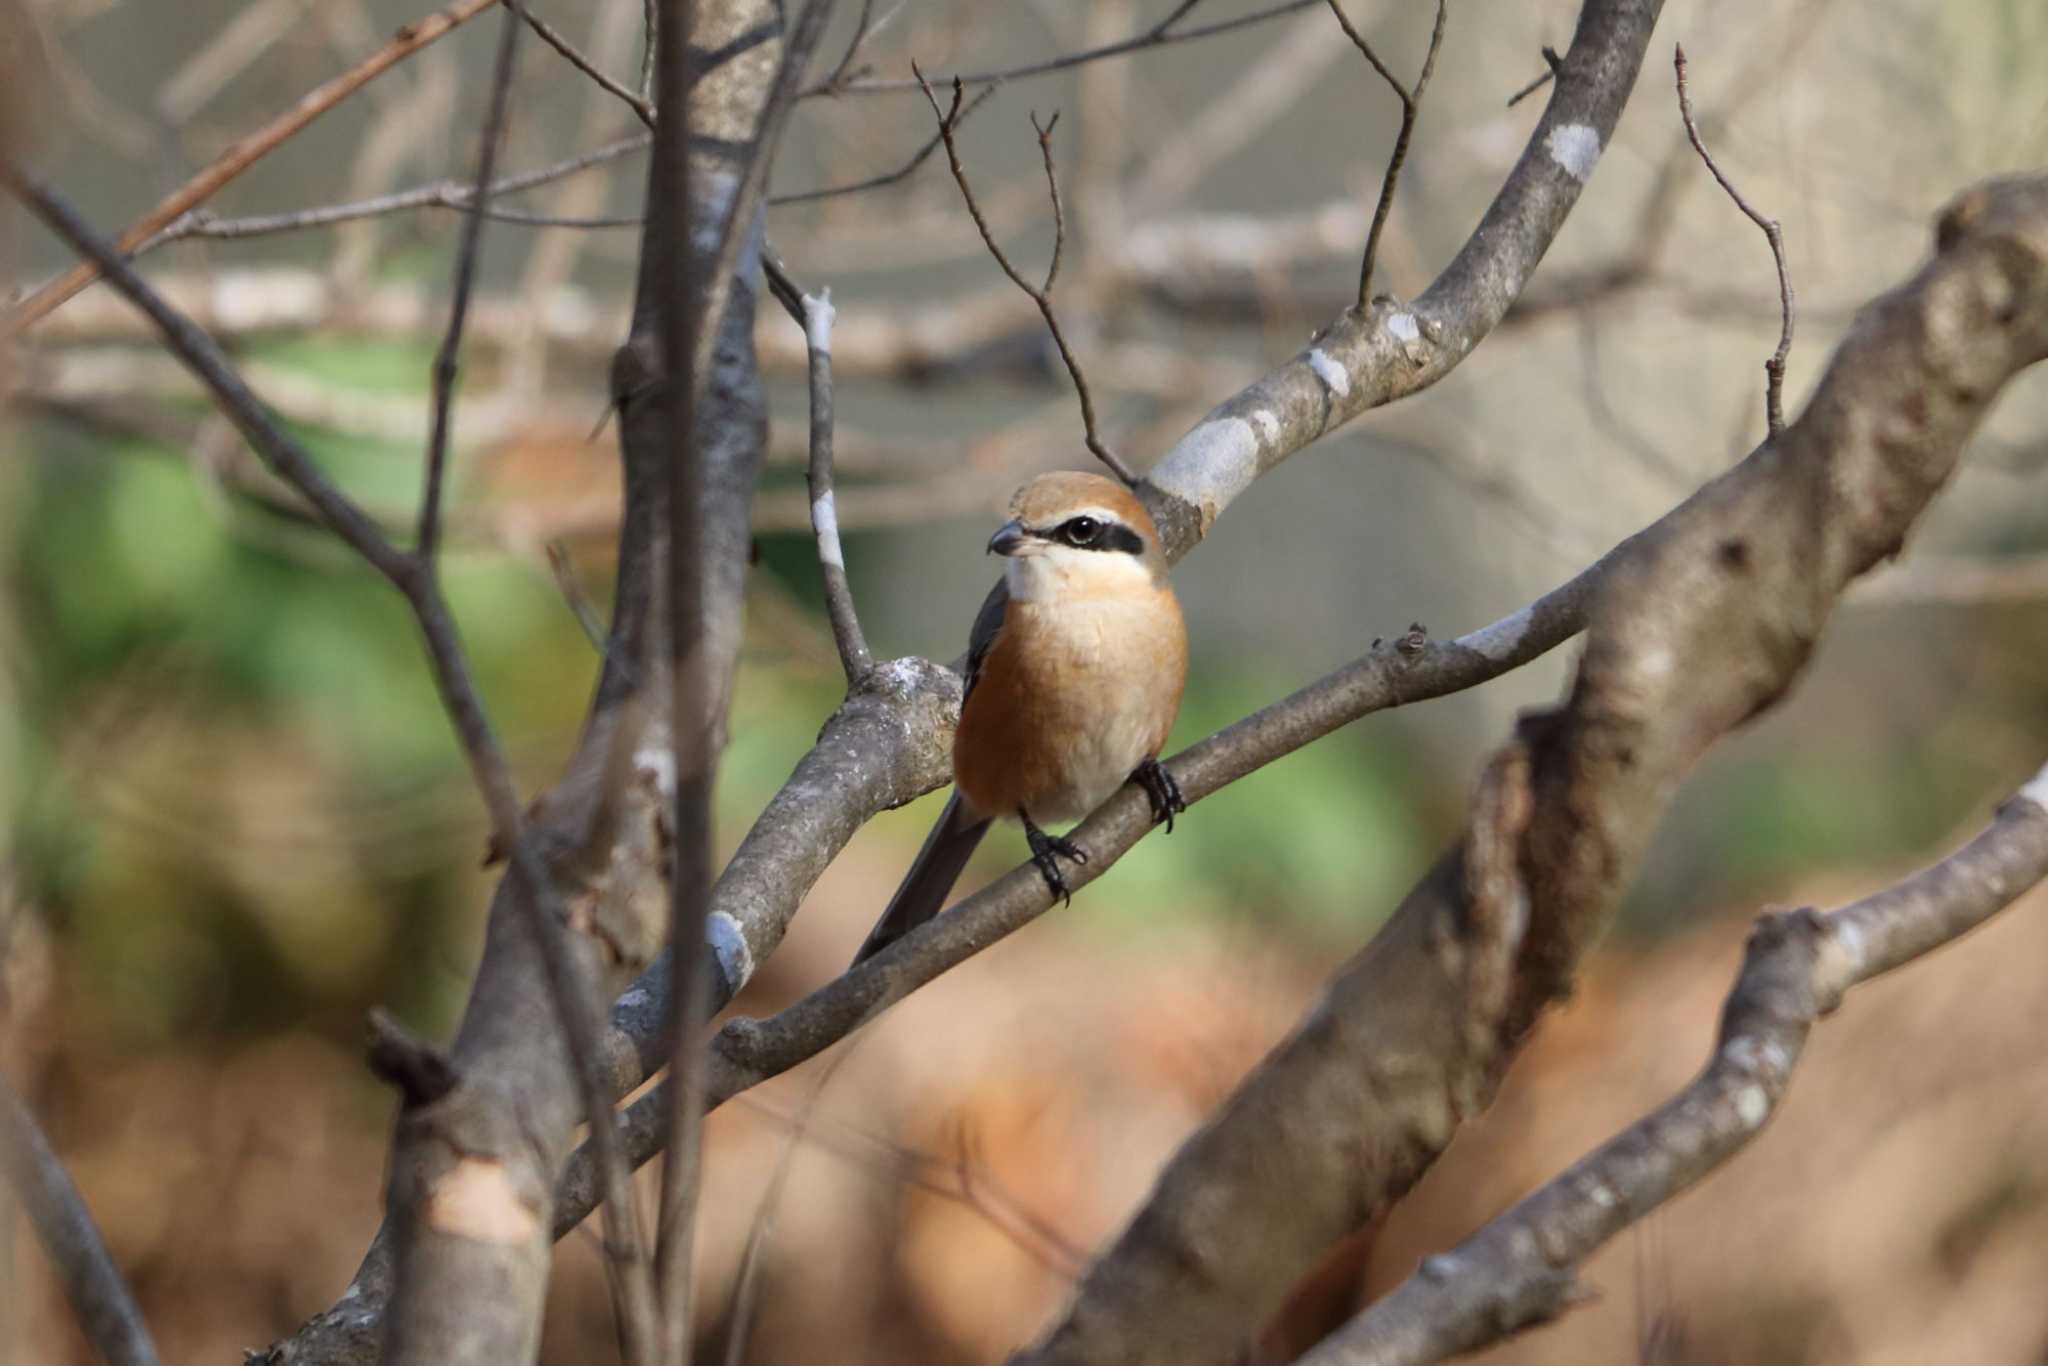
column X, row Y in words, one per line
column 1075, row 669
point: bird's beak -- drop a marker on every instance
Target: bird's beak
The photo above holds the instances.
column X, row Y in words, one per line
column 1009, row 536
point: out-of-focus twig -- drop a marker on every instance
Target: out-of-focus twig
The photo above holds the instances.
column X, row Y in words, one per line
column 1553, row 62
column 641, row 106
column 240, row 42
column 903, row 172
column 442, row 194
column 690, row 325
column 1158, row 35
column 1411, row 104
column 580, row 605
column 56, row 1211
column 447, row 358
column 248, row 151
column 1038, row 294
column 1774, row 368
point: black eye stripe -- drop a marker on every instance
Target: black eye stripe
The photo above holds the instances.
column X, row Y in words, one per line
column 1093, row 533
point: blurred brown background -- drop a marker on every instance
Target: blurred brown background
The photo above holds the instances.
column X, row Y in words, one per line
column 234, row 817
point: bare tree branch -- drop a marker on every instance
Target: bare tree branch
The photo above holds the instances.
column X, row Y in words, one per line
column 1411, row 104
column 815, row 315
column 1774, row 368
column 842, row 70
column 466, row 252
column 642, row 108
column 107, row 1313
column 1362, row 361
column 888, row 742
column 1041, row 295
column 1550, row 60
column 1159, row 35
column 691, row 323
column 442, row 194
column 248, row 151
column 1704, row 622
column 1410, row 668
column 576, row 1003
column 1517, row 1271
column 901, row 173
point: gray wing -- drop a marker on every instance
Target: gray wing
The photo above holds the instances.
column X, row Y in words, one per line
column 988, row 624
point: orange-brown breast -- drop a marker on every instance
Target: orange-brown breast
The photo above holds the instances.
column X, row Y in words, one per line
column 1073, row 696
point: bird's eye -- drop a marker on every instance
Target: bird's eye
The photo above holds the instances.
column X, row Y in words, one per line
column 1080, row 530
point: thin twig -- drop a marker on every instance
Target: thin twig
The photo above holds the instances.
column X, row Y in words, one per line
column 818, row 314
column 1411, row 104
column 840, row 73
column 248, row 151
column 1180, row 12
column 741, row 1317
column 445, row 361
column 580, row 606
column 1553, row 62
column 1137, row 42
column 442, row 194
column 640, row 105
column 1774, row 368
column 1041, row 294
column 107, row 1313
column 213, row 369
column 903, row 172
column 650, row 22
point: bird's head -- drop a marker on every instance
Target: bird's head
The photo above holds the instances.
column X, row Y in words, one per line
column 1075, row 534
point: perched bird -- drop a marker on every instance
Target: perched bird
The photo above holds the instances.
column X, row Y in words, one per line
column 1074, row 678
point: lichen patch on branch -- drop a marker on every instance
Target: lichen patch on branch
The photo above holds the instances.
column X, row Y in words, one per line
column 1576, row 148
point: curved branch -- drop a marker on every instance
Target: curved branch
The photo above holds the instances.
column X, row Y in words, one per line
column 1516, row 1272
column 1703, row 622
column 1411, row 668
column 1367, row 359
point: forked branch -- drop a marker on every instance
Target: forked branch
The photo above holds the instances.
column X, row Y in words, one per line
column 1774, row 368
column 1518, row 1270
column 949, row 122
column 1411, row 104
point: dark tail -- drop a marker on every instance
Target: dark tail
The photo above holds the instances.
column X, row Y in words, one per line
column 937, row 867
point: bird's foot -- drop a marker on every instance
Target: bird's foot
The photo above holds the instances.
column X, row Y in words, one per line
column 1163, row 791
column 1046, row 852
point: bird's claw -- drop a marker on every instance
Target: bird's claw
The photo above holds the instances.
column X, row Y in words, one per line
column 1046, row 852
column 1162, row 790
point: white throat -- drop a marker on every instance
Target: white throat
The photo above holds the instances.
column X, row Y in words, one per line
column 1059, row 571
